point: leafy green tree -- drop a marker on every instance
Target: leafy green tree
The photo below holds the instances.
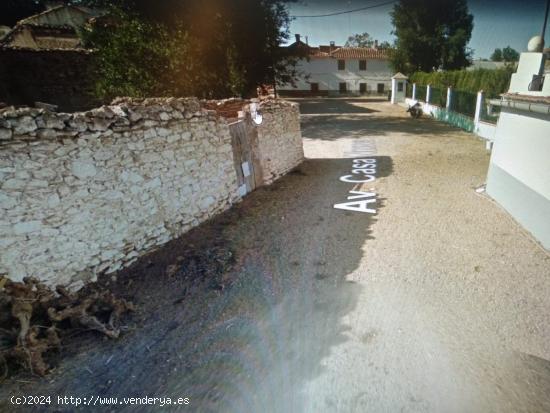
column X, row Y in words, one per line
column 497, row 55
column 360, row 40
column 233, row 47
column 509, row 54
column 431, row 36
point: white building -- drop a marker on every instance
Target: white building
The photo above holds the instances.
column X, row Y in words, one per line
column 334, row 70
column 519, row 172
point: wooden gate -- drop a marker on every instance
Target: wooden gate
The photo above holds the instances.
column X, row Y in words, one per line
column 244, row 139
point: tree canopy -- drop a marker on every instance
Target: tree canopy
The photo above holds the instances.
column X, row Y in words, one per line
column 207, row 48
column 360, row 40
column 228, row 48
column 431, row 35
column 496, row 56
column 507, row 54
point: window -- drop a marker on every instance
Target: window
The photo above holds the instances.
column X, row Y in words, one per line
column 314, row 87
column 343, row 87
column 400, row 86
column 362, row 88
column 362, row 65
column 341, row 65
column 380, row 88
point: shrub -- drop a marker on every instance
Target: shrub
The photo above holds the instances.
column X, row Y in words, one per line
column 492, row 81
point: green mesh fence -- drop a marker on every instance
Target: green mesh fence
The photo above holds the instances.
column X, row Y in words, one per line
column 464, row 102
column 438, row 96
column 421, row 93
column 408, row 91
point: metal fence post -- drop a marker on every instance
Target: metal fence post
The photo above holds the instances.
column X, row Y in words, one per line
column 414, row 92
column 449, row 97
column 479, row 103
column 428, row 93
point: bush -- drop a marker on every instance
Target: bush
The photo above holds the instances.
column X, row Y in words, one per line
column 492, row 81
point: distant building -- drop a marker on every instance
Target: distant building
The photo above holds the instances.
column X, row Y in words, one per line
column 42, row 60
column 331, row 70
column 489, row 64
column 55, row 28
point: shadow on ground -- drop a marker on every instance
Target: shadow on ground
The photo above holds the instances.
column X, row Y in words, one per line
column 336, row 106
column 341, row 126
column 253, row 338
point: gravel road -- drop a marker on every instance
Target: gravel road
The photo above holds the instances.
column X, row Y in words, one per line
column 438, row 302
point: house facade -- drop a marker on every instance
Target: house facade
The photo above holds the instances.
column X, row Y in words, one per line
column 335, row 70
column 54, row 28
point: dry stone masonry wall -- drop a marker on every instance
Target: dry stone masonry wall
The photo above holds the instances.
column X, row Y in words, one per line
column 279, row 138
column 90, row 192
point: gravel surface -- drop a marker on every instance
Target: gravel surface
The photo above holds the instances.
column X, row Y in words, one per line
column 436, row 303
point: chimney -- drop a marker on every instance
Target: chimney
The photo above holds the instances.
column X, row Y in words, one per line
column 332, row 44
column 297, row 38
column 376, row 44
column 307, row 42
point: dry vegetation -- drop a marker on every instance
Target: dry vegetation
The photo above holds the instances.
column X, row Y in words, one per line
column 34, row 320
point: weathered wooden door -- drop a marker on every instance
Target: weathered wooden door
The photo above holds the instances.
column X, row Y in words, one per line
column 244, row 139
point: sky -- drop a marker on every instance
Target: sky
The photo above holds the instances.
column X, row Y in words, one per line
column 497, row 23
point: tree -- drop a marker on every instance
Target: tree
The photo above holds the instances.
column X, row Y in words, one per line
column 497, row 55
column 230, row 47
column 509, row 54
column 360, row 40
column 431, row 35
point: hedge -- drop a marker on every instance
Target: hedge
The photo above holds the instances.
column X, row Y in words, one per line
column 492, row 81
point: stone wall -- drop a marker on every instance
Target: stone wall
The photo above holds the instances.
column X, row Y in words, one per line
column 279, row 138
column 89, row 192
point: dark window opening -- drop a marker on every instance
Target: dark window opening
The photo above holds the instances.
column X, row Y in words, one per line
column 400, row 86
column 343, row 87
column 315, row 87
column 362, row 88
column 380, row 88
column 362, row 65
column 341, row 65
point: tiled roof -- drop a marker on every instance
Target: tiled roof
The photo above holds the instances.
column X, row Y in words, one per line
column 43, row 36
column 527, row 98
column 339, row 52
column 399, row 76
column 359, row 53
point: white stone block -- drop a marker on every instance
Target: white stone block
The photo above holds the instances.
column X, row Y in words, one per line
column 27, row 227
column 83, row 169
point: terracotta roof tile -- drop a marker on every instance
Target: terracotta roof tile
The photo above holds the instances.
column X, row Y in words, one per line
column 339, row 52
column 359, row 53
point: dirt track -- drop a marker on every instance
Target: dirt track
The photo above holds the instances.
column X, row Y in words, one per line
column 438, row 303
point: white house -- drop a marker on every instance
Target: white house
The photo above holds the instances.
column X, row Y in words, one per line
column 519, row 172
column 335, row 70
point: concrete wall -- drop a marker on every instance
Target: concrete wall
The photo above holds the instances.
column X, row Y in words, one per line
column 519, row 172
column 486, row 130
column 87, row 193
column 325, row 72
